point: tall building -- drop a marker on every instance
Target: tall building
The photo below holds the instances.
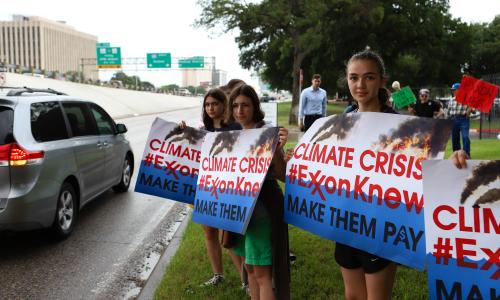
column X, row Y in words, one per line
column 204, row 77
column 220, row 77
column 38, row 43
column 196, row 77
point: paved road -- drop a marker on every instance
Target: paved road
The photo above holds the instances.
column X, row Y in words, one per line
column 107, row 255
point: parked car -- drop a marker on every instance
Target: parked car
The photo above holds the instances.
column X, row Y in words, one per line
column 56, row 154
column 184, row 92
column 267, row 98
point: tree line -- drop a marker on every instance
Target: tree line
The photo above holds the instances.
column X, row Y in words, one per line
column 421, row 43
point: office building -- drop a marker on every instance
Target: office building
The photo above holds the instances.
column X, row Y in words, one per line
column 42, row 44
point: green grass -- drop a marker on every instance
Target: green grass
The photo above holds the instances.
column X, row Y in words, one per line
column 315, row 275
column 480, row 149
column 494, row 124
column 284, row 109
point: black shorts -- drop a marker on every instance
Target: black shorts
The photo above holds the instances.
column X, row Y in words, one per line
column 352, row 258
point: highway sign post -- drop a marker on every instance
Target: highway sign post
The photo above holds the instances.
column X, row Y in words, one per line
column 109, row 57
column 159, row 60
column 192, row 62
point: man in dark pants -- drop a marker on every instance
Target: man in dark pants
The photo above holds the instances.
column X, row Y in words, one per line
column 459, row 113
column 312, row 104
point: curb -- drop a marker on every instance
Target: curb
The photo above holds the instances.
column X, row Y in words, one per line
column 147, row 292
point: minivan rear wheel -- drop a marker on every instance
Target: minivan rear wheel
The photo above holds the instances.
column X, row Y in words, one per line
column 126, row 176
column 66, row 212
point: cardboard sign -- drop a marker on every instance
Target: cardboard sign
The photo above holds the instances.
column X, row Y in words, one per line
column 404, row 97
column 170, row 163
column 462, row 228
column 232, row 170
column 357, row 179
column 476, row 93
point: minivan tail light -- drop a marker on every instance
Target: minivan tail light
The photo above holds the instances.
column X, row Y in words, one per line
column 17, row 156
column 4, row 154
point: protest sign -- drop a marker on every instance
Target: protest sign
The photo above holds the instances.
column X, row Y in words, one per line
column 404, row 97
column 170, row 163
column 462, row 226
column 476, row 93
column 356, row 179
column 232, row 169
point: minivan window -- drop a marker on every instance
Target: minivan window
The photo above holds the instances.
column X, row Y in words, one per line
column 47, row 122
column 105, row 124
column 6, row 123
column 80, row 120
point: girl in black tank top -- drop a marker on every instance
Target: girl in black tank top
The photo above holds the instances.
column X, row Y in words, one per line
column 366, row 276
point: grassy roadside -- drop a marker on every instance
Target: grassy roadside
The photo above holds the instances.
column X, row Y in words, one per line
column 315, row 274
column 284, row 109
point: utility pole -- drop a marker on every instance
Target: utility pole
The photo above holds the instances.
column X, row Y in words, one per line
column 81, row 68
column 214, row 73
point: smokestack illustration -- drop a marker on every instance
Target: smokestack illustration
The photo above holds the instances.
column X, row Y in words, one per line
column 420, row 133
column 482, row 175
column 189, row 134
column 340, row 125
column 224, row 140
column 268, row 139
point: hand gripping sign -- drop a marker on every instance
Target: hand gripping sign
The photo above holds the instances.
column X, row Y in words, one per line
column 356, row 179
column 170, row 163
column 462, row 226
column 232, row 170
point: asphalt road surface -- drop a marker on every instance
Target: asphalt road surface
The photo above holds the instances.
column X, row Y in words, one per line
column 115, row 244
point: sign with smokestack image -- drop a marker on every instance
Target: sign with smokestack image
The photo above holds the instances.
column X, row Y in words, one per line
column 233, row 166
column 170, row 163
column 462, row 226
column 357, row 179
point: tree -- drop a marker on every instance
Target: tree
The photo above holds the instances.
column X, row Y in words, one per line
column 147, row 85
column 284, row 26
column 419, row 41
column 191, row 89
column 485, row 58
column 170, row 88
column 134, row 81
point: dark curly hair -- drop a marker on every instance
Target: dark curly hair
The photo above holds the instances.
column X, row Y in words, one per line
column 220, row 96
column 248, row 91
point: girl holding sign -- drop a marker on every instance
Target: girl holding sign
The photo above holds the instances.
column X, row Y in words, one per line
column 366, row 276
column 264, row 247
column 213, row 116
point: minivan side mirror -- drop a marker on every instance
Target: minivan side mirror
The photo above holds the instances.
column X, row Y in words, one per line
column 121, row 128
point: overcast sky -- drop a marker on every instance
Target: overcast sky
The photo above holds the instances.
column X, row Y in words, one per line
column 149, row 26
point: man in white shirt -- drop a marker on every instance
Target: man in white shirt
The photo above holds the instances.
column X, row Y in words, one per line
column 312, row 104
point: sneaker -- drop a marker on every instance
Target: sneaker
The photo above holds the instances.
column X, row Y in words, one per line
column 215, row 280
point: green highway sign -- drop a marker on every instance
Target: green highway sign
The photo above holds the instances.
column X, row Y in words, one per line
column 109, row 58
column 159, row 60
column 102, row 45
column 192, row 62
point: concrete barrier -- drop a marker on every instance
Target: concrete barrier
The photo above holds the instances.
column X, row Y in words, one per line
column 118, row 103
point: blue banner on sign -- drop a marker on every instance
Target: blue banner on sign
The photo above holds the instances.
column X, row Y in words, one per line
column 392, row 233
column 233, row 166
column 165, row 183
